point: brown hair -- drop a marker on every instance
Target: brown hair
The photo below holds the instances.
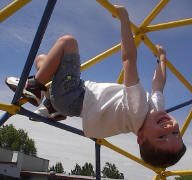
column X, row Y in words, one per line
column 158, row 157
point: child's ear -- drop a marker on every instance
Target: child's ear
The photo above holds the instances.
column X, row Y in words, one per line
column 140, row 137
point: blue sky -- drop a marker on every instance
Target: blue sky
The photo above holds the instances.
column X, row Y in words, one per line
column 96, row 30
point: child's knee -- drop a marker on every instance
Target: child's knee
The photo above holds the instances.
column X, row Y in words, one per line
column 69, row 43
column 39, row 60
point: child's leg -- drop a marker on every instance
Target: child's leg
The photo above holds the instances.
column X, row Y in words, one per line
column 47, row 109
column 67, row 89
column 46, row 69
column 40, row 59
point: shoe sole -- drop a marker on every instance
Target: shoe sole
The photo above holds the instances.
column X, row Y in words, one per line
column 12, row 83
column 57, row 116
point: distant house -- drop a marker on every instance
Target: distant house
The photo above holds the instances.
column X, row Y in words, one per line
column 15, row 165
column 12, row 163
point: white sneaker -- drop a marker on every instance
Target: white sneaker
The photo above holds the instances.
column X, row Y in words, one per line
column 33, row 91
column 43, row 111
column 40, row 111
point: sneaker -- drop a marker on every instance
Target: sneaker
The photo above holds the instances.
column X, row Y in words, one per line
column 47, row 110
column 33, row 91
column 53, row 114
column 40, row 111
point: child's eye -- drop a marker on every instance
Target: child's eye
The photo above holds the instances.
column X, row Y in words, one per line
column 162, row 136
column 175, row 132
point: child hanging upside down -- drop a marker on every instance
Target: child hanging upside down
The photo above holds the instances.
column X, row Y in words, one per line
column 108, row 109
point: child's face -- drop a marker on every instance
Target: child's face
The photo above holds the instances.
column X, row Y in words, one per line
column 162, row 131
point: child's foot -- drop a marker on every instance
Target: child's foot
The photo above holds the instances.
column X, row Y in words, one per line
column 47, row 110
column 33, row 91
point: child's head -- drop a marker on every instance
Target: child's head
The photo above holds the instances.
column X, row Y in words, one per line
column 159, row 140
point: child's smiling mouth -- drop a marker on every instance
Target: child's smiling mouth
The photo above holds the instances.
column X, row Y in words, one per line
column 163, row 120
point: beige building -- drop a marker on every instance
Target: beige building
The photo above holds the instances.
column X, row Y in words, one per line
column 16, row 165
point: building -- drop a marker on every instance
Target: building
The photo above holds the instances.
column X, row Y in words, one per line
column 15, row 165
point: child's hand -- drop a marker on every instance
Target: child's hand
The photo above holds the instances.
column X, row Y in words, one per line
column 161, row 53
column 122, row 12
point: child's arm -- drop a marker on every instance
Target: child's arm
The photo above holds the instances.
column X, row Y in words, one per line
column 128, row 49
column 159, row 78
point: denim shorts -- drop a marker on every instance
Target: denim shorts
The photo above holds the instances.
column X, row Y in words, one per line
column 67, row 89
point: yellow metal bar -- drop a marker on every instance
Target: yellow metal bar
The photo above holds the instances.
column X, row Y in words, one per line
column 12, row 8
column 121, row 77
column 181, row 172
column 169, row 65
column 100, row 57
column 163, row 178
column 10, row 108
column 186, row 123
column 165, row 174
column 162, row 26
column 154, row 13
column 157, row 177
column 130, row 156
column 106, row 4
column 137, row 40
column 22, row 101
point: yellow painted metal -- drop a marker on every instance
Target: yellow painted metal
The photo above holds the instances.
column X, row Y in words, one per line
column 168, row 63
column 157, row 177
column 162, row 175
column 162, row 26
column 106, row 4
column 130, row 156
column 179, row 75
column 22, row 101
column 163, row 178
column 180, row 172
column 121, row 77
column 100, row 57
column 10, row 108
column 12, row 8
column 154, row 13
column 186, row 123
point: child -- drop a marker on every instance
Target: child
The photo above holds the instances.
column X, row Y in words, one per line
column 109, row 109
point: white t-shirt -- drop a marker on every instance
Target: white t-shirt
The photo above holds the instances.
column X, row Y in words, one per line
column 110, row 108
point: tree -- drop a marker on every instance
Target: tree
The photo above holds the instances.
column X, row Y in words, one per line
column 58, row 168
column 85, row 170
column 52, row 168
column 77, row 170
column 111, row 171
column 16, row 140
column 184, row 177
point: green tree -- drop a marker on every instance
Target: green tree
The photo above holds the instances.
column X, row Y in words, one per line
column 58, row 168
column 16, row 140
column 85, row 170
column 77, row 170
column 184, row 177
column 52, row 168
column 111, row 171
